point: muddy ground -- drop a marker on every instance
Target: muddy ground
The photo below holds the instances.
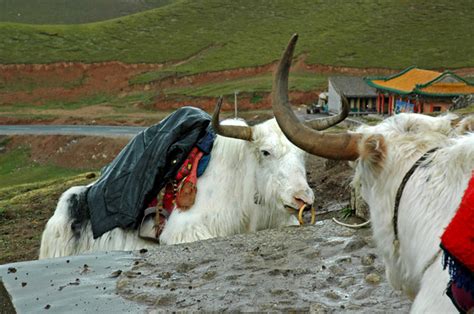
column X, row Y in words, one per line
column 323, row 268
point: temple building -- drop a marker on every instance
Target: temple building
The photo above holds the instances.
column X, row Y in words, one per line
column 418, row 90
column 361, row 97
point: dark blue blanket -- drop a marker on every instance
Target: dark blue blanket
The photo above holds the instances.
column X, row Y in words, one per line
column 143, row 167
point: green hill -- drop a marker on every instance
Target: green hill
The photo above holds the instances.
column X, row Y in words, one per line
column 211, row 35
column 71, row 11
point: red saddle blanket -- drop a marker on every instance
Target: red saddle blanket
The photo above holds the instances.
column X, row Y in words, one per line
column 457, row 243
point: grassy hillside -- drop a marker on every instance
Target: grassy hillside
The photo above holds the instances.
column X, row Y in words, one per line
column 17, row 169
column 212, row 35
column 71, row 11
column 262, row 83
column 24, row 211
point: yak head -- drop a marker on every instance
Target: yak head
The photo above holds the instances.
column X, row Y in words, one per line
column 278, row 178
column 281, row 175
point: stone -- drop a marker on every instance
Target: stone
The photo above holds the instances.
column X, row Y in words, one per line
column 372, row 278
column 354, row 244
column 368, row 260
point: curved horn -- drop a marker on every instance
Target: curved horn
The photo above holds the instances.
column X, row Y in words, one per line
column 234, row 131
column 325, row 123
column 327, row 145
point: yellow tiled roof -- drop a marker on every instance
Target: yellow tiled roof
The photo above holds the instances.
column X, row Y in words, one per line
column 448, row 88
column 419, row 81
column 407, row 81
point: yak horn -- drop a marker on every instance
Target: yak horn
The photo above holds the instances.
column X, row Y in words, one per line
column 234, row 131
column 325, row 123
column 327, row 145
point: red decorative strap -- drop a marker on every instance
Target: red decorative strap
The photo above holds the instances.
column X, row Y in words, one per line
column 181, row 192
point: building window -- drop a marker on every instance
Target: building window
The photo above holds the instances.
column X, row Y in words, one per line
column 436, row 108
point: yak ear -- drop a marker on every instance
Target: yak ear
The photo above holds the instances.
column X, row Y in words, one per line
column 373, row 152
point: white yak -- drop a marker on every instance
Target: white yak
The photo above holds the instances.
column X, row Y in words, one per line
column 255, row 179
column 382, row 155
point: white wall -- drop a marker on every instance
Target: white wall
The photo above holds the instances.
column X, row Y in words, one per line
column 334, row 99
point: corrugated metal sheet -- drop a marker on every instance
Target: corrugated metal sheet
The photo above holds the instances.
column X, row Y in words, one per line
column 75, row 284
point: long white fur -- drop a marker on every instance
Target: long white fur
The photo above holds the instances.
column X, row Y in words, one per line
column 429, row 201
column 224, row 202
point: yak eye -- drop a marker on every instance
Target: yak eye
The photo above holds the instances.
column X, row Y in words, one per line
column 265, row 153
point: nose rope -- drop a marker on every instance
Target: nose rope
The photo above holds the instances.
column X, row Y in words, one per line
column 300, row 214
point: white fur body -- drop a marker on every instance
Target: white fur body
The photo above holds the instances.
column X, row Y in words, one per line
column 225, row 203
column 429, row 200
